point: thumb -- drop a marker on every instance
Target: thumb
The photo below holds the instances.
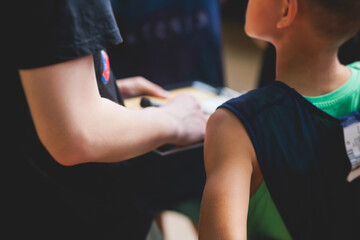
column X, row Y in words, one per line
column 153, row 89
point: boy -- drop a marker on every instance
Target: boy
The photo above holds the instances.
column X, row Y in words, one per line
column 285, row 155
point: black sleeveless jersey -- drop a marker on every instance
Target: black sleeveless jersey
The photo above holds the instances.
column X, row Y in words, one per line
column 302, row 156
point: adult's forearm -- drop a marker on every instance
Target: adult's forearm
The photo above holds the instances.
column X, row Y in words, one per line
column 108, row 132
column 114, row 133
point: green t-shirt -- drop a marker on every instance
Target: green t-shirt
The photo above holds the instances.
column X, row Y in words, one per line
column 264, row 220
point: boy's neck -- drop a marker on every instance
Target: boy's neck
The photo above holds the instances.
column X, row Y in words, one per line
column 311, row 69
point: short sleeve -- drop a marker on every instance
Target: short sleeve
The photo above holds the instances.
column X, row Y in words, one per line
column 54, row 31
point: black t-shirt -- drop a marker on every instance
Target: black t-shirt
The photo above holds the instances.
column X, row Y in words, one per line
column 54, row 31
column 45, row 197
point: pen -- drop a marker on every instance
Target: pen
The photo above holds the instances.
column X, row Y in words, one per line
column 145, row 102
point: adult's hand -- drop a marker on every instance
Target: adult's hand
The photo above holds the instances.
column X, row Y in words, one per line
column 135, row 86
column 187, row 115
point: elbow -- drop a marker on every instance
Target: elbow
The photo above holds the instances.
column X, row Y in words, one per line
column 70, row 157
column 69, row 150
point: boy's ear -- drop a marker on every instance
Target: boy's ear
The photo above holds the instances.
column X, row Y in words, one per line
column 289, row 10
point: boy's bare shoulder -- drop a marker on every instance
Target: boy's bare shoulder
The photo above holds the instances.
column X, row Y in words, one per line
column 223, row 119
column 226, row 140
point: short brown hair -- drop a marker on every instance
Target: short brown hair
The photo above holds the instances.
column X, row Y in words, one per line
column 339, row 19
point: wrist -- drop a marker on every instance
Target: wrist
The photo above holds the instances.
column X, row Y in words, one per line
column 167, row 124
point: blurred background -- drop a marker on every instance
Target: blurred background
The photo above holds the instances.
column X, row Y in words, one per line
column 242, row 58
column 242, row 55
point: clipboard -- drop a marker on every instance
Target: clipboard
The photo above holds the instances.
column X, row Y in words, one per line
column 209, row 97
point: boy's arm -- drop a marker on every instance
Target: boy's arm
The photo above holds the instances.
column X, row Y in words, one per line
column 76, row 125
column 228, row 163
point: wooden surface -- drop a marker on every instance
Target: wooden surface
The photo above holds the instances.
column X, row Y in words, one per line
column 199, row 94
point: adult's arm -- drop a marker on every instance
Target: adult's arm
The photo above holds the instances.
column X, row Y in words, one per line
column 228, row 164
column 77, row 125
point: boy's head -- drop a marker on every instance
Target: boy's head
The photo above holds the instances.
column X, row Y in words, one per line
column 335, row 20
